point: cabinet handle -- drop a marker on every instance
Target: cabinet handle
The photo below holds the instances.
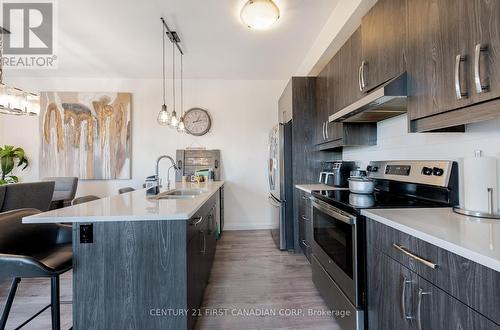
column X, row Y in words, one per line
column 306, row 244
column 403, row 298
column 458, row 89
column 359, row 78
column 197, row 222
column 414, row 257
column 477, row 75
column 203, row 241
column 421, row 293
column 305, row 218
column 363, row 83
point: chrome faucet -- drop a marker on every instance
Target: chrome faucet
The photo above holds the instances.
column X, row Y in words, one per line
column 157, row 175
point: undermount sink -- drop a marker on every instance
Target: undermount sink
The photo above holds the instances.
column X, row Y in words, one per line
column 179, row 194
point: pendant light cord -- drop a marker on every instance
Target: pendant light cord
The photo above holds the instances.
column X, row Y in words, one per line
column 173, row 74
column 182, row 88
column 163, row 64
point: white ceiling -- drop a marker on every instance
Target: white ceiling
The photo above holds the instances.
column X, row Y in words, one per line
column 122, row 38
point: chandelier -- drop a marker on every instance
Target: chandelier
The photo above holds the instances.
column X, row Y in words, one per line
column 15, row 101
column 166, row 117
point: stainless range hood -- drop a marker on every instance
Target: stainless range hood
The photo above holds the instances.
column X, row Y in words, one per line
column 388, row 100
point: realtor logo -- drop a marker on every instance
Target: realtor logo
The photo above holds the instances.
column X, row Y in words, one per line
column 30, row 43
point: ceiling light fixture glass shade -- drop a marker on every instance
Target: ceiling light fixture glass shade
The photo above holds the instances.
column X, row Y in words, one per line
column 259, row 14
column 163, row 116
column 181, row 128
column 14, row 101
column 174, row 122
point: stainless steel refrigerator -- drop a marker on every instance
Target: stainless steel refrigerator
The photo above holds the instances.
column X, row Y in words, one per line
column 280, row 185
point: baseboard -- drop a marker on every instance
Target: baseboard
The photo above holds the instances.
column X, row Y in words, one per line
column 246, row 226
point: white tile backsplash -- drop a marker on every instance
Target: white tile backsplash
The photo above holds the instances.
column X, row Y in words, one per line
column 395, row 143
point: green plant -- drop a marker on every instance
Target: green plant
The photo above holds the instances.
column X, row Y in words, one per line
column 11, row 158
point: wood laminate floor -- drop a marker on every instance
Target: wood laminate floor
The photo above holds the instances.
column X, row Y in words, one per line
column 250, row 280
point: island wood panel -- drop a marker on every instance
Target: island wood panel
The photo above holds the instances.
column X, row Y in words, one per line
column 131, row 268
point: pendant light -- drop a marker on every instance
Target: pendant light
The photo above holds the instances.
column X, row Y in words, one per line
column 15, row 101
column 163, row 115
column 259, row 14
column 174, row 122
column 181, row 127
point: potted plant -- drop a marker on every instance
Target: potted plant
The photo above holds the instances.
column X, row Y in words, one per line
column 10, row 159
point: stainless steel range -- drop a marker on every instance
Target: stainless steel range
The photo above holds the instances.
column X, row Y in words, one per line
column 339, row 246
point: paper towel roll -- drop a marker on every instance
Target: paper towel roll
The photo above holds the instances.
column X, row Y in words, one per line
column 480, row 174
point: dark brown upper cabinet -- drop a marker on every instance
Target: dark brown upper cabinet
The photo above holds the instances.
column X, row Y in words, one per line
column 337, row 87
column 383, row 35
column 346, row 88
column 483, row 45
column 453, row 62
column 321, row 113
column 437, row 58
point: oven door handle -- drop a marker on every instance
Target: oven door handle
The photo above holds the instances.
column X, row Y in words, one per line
column 333, row 211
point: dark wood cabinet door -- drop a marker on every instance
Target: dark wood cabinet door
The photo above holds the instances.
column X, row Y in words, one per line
column 383, row 42
column 321, row 105
column 390, row 287
column 435, row 309
column 483, row 45
column 305, row 224
column 194, row 282
column 435, row 40
column 346, row 90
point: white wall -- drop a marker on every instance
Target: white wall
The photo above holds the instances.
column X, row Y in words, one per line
column 341, row 24
column 242, row 111
column 395, row 143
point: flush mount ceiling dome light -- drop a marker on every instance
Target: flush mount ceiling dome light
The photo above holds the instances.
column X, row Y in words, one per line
column 259, row 14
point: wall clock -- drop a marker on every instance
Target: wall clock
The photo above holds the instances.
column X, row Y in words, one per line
column 197, row 121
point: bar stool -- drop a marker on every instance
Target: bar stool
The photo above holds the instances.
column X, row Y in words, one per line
column 33, row 250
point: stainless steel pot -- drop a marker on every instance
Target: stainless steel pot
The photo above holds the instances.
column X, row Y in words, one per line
column 361, row 200
column 358, row 174
column 361, row 185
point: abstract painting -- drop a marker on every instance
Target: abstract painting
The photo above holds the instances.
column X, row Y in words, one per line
column 86, row 135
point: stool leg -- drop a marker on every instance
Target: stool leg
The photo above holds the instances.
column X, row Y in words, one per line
column 54, row 301
column 8, row 304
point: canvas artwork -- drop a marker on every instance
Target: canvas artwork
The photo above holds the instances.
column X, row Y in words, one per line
column 86, row 135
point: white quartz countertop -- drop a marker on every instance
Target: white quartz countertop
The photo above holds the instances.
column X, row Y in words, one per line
column 308, row 188
column 472, row 238
column 132, row 206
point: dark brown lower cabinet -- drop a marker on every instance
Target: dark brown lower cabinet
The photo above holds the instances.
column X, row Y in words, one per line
column 388, row 303
column 200, row 256
column 305, row 223
column 399, row 298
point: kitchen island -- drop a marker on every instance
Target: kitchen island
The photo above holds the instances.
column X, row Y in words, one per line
column 141, row 262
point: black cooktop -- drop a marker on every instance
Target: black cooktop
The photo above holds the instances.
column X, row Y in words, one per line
column 354, row 203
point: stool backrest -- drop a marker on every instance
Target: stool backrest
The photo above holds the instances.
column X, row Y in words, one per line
column 25, row 239
column 2, row 195
column 65, row 187
column 84, row 199
column 37, row 195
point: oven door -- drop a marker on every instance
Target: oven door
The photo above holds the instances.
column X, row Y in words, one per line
column 335, row 245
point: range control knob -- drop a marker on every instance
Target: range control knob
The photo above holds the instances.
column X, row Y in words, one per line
column 437, row 171
column 426, row 171
column 372, row 168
